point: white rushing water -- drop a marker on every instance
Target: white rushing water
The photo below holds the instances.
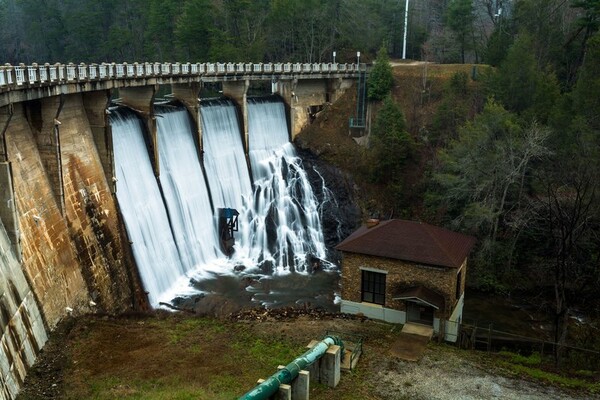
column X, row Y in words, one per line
column 283, row 223
column 280, row 228
column 184, row 189
column 224, row 158
column 143, row 209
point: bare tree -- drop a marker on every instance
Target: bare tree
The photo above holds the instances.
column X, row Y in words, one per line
column 569, row 220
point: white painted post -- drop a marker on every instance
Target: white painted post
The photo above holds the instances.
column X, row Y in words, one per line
column 405, row 30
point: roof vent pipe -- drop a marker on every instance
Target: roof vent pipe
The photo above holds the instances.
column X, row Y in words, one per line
column 372, row 222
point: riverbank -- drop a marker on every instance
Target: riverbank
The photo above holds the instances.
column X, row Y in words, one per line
column 174, row 356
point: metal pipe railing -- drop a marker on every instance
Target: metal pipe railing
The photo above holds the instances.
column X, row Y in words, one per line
column 291, row 371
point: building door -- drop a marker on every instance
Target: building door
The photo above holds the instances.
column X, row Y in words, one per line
column 419, row 313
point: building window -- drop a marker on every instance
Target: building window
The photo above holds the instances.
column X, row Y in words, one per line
column 458, row 285
column 373, row 287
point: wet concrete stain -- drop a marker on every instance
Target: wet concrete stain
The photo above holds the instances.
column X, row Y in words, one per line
column 98, row 248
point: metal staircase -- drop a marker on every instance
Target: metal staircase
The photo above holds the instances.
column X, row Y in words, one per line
column 359, row 120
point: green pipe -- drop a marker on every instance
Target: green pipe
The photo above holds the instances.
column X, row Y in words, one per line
column 291, row 371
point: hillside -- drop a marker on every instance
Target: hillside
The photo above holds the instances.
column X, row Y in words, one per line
column 173, row 356
column 419, row 89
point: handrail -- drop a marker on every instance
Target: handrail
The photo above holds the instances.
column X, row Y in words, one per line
column 22, row 76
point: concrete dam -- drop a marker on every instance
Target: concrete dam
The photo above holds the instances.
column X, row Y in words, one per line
column 108, row 206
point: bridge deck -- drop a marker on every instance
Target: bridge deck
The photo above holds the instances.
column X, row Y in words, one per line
column 28, row 82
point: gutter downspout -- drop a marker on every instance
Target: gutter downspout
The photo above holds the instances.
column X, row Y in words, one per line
column 4, row 148
column 291, row 371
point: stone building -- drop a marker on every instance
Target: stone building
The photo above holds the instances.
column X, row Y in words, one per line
column 406, row 271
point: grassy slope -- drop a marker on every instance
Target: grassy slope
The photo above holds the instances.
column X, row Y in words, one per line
column 174, row 356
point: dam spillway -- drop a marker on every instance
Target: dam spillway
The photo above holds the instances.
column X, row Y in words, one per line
column 61, row 193
column 142, row 208
column 280, row 229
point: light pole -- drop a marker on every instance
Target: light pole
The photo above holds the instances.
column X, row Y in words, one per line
column 405, row 30
column 358, row 58
column 334, row 57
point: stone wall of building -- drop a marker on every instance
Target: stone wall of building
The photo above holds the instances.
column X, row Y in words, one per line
column 400, row 275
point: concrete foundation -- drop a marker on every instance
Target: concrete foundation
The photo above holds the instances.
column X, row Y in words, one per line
column 284, row 392
column 326, row 370
column 300, row 386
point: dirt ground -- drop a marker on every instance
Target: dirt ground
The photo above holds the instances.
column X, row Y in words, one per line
column 177, row 356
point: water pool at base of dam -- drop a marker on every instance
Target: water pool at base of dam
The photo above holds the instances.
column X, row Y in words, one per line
column 224, row 294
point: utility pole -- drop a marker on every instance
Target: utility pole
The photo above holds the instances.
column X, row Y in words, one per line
column 405, row 30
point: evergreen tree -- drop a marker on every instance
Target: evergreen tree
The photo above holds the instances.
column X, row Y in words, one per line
column 587, row 90
column 381, row 78
column 521, row 85
column 391, row 145
column 194, row 31
column 460, row 17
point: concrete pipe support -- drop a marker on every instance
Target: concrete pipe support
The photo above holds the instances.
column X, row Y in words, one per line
column 291, row 371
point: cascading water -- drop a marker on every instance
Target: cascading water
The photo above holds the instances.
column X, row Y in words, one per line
column 283, row 222
column 184, row 188
column 224, row 158
column 280, row 229
column 143, row 209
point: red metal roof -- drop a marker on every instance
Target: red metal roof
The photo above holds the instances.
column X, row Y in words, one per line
column 412, row 241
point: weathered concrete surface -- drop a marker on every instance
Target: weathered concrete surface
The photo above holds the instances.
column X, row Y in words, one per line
column 91, row 212
column 49, row 256
column 22, row 331
column 301, row 95
column 73, row 253
column 238, row 91
column 96, row 104
column 8, row 211
column 300, row 385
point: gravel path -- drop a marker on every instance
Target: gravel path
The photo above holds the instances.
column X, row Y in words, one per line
column 446, row 376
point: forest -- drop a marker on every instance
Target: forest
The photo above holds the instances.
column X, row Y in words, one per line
column 242, row 30
column 511, row 154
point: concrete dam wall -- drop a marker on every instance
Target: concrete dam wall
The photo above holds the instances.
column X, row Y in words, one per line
column 63, row 251
column 64, row 248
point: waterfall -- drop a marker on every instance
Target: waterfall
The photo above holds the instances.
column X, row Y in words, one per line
column 283, row 223
column 184, row 188
column 173, row 226
column 224, row 158
column 143, row 209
